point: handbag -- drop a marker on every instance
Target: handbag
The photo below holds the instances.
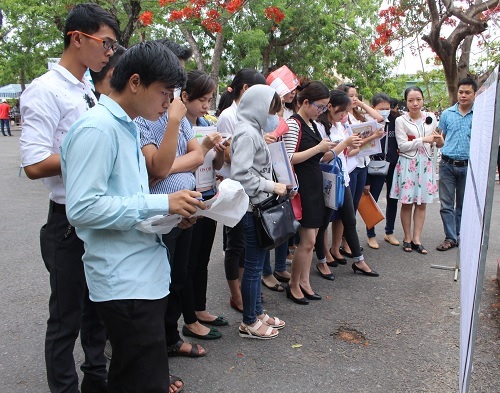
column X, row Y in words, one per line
column 275, row 222
column 333, row 190
column 380, row 167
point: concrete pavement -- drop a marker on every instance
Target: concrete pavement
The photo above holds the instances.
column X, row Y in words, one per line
column 395, row 333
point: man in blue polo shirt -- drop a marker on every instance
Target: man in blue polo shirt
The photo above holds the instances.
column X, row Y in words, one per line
column 456, row 123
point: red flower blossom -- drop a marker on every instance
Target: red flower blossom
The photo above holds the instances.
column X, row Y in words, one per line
column 175, row 15
column 211, row 25
column 146, row 18
column 233, row 5
column 274, row 14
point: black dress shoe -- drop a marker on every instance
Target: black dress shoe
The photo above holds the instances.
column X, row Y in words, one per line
column 337, row 261
column 372, row 273
column 303, row 301
column 314, row 296
column 344, row 252
column 327, row 276
column 90, row 385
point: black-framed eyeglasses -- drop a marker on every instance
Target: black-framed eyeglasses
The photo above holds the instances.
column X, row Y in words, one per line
column 320, row 108
column 107, row 44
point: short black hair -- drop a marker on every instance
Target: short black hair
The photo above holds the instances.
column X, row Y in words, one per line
column 153, row 62
column 88, row 18
column 469, row 82
column 113, row 60
column 378, row 98
column 182, row 52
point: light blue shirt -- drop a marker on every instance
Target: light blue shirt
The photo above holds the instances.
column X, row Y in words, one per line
column 107, row 194
column 457, row 130
column 152, row 133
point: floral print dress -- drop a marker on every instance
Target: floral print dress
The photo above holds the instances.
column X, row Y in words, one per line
column 414, row 178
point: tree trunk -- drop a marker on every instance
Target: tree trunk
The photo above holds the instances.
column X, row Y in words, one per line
column 133, row 9
column 464, row 61
column 219, row 47
column 198, row 58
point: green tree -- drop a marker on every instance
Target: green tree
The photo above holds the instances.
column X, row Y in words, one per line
column 407, row 19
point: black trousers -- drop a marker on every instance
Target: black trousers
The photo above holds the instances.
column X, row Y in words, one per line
column 234, row 256
column 178, row 242
column 136, row 330
column 199, row 256
column 70, row 310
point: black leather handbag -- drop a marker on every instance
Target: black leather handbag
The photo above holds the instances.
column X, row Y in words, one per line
column 275, row 222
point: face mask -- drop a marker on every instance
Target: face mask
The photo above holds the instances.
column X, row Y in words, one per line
column 271, row 123
column 385, row 114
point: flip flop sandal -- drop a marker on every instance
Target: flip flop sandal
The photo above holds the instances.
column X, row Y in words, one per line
column 175, row 350
column 219, row 321
column 276, row 287
column 407, row 247
column 173, row 379
column 278, row 324
column 247, row 331
column 213, row 334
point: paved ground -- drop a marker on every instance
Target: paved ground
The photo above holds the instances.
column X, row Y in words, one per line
column 408, row 319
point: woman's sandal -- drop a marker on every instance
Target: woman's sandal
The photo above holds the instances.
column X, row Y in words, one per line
column 419, row 248
column 407, row 246
column 247, row 331
column 175, row 350
column 173, row 379
column 276, row 287
column 278, row 324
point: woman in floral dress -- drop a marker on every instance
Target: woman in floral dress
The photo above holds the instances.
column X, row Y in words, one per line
column 414, row 183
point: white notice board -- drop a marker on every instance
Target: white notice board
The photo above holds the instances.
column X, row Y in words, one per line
column 476, row 217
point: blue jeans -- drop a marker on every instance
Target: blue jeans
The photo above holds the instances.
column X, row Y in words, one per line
column 357, row 181
column 451, row 194
column 376, row 185
column 254, row 262
column 280, row 253
column 6, row 122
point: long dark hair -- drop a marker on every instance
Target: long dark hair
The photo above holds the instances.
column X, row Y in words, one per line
column 339, row 99
column 311, row 91
column 245, row 76
column 198, row 84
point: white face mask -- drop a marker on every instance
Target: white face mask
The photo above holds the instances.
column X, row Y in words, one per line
column 271, row 123
column 385, row 114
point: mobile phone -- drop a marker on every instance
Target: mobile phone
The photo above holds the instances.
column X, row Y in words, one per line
column 438, row 131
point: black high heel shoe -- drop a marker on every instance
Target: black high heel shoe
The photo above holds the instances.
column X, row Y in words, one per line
column 355, row 269
column 302, row 301
column 314, row 296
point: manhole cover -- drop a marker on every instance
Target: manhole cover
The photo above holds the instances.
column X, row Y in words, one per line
column 350, row 335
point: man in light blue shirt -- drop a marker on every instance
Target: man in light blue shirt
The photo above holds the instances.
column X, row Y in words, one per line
column 456, row 123
column 107, row 194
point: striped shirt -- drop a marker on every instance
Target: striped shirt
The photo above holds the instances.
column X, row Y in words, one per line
column 152, row 133
column 457, row 130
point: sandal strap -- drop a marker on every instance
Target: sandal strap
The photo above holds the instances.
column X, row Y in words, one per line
column 254, row 330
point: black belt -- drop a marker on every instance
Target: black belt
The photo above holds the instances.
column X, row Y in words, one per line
column 58, row 208
column 454, row 162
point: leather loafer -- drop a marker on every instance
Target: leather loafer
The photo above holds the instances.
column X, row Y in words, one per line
column 372, row 243
column 391, row 239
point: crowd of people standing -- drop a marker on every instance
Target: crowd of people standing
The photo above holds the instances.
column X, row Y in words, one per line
column 134, row 154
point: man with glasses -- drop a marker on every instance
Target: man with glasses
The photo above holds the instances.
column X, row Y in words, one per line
column 49, row 106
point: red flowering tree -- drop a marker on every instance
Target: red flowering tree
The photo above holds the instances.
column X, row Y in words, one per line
column 407, row 19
